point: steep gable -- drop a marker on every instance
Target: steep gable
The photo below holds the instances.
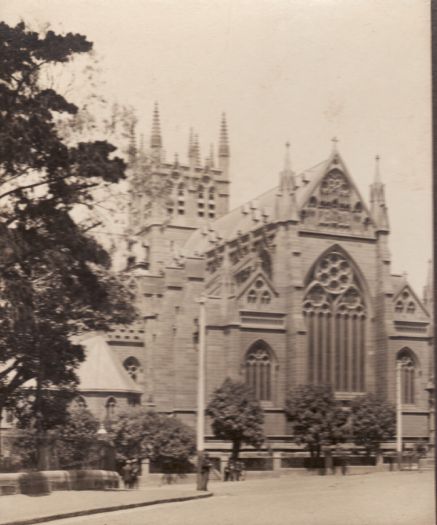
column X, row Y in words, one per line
column 407, row 306
column 333, row 202
column 258, row 291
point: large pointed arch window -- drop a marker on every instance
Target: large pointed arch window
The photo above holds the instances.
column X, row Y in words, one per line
column 335, row 313
column 259, row 369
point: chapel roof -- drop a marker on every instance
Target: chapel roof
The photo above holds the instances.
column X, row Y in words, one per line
column 102, row 370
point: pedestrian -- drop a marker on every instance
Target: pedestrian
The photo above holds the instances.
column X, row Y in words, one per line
column 238, row 469
column 127, row 474
column 135, row 473
column 343, row 459
column 227, row 472
column 205, row 467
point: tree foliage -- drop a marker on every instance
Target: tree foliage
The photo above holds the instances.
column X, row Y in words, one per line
column 373, row 421
column 139, row 433
column 55, row 279
column 236, row 416
column 71, row 444
column 317, row 419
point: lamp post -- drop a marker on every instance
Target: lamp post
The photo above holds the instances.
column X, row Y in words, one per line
column 201, row 393
column 399, row 365
column 430, row 388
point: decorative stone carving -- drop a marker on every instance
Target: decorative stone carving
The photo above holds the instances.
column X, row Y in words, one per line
column 335, row 205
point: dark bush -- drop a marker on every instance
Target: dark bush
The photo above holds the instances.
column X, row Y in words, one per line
column 34, row 484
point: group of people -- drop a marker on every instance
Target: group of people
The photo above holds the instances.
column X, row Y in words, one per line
column 130, row 472
column 234, row 471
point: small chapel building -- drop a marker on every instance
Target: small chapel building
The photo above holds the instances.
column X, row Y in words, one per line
column 297, row 282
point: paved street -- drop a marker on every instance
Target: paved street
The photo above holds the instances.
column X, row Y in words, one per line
column 403, row 498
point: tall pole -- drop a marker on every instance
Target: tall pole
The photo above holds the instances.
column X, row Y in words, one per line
column 201, row 393
column 399, row 411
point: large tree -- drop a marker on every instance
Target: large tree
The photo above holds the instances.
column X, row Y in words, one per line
column 237, row 416
column 139, row 433
column 55, row 279
column 373, row 421
column 71, row 443
column 317, row 418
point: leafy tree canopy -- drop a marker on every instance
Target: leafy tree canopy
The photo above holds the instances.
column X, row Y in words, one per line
column 373, row 421
column 236, row 415
column 72, row 443
column 55, row 279
column 317, row 418
column 139, row 433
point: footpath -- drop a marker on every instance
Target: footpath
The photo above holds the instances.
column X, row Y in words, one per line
column 21, row 509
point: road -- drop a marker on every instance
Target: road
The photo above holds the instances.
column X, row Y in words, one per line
column 389, row 498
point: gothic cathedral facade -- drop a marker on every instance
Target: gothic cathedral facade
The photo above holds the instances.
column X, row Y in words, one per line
column 297, row 284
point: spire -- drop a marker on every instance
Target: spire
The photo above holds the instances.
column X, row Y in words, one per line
column 223, row 148
column 141, row 151
column 286, row 177
column 378, row 206
column 155, row 138
column 334, row 141
column 176, row 160
column 377, row 178
column 190, row 143
column 287, row 161
column 196, row 149
column 211, row 155
column 286, row 208
column 429, row 286
column 223, row 142
column 132, row 148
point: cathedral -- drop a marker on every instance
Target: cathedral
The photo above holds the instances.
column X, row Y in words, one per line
column 297, row 286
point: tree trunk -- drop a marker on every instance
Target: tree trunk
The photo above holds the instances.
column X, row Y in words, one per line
column 236, row 445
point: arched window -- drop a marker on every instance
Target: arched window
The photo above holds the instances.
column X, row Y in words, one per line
column 411, row 308
column 132, row 366
column 258, row 370
column 200, row 202
column 399, row 308
column 111, row 406
column 335, row 314
column 251, row 297
column 408, row 372
column 79, row 403
column 211, row 202
column 266, row 297
column 181, row 199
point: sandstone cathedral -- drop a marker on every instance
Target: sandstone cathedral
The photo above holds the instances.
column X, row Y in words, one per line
column 298, row 290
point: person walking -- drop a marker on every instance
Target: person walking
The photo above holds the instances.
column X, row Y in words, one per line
column 204, row 472
column 127, row 475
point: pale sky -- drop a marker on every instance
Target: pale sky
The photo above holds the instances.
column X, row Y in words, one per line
column 283, row 70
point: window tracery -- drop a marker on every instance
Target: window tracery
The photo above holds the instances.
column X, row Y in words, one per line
column 335, row 313
column 266, row 297
column 258, row 370
column 408, row 373
column 132, row 367
column 252, row 297
column 405, row 303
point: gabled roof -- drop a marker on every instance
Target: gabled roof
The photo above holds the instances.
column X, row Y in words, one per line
column 254, row 213
column 102, row 370
column 259, row 275
column 400, row 283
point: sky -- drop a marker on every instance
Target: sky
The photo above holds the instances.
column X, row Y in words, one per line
column 301, row 71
